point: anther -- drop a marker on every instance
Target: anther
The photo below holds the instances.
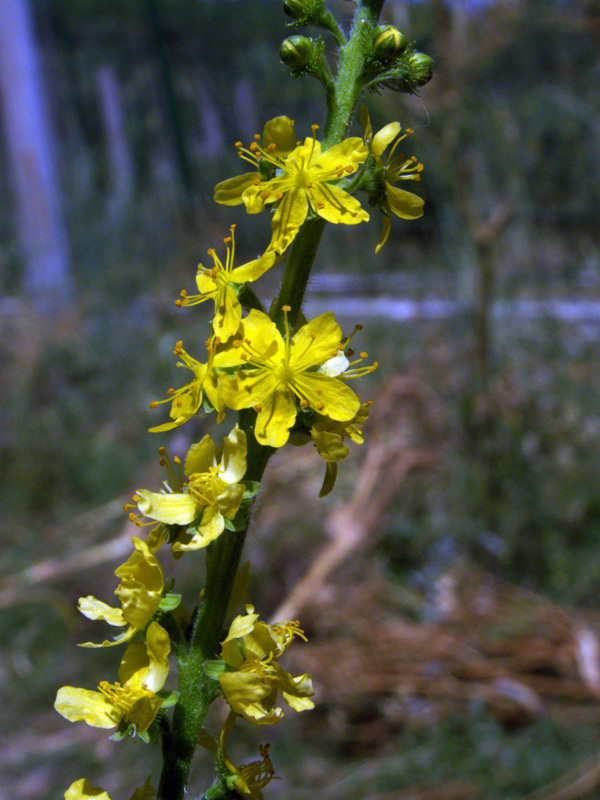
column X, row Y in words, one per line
column 288, row 308
column 258, row 407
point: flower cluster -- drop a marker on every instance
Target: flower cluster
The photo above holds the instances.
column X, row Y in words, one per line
column 288, row 378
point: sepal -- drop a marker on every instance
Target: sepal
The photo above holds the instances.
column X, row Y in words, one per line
column 169, row 602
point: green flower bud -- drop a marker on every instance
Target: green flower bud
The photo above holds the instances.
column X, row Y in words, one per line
column 297, row 9
column 388, row 42
column 297, row 52
column 421, row 68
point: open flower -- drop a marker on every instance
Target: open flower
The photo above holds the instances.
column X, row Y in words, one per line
column 83, row 790
column 140, row 593
column 142, row 673
column 187, row 401
column 218, row 284
column 211, row 493
column 253, row 679
column 280, row 371
column 385, row 195
column 301, row 179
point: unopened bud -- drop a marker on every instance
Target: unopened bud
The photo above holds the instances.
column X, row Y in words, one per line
column 388, row 42
column 297, row 51
column 297, row 9
column 421, row 68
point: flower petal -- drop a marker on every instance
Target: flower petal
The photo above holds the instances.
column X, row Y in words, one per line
column 335, row 205
column 384, row 137
column 328, row 396
column 173, row 509
column 200, row 457
column 83, row 789
column 230, row 192
column 83, row 704
column 404, row 204
column 233, row 460
column 276, row 417
column 92, row 608
column 280, row 132
column 253, row 269
column 288, row 218
column 316, row 342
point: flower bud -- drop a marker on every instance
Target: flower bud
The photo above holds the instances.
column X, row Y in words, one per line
column 388, row 42
column 297, row 9
column 421, row 68
column 297, row 52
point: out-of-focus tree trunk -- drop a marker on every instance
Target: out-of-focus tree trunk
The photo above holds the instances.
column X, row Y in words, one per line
column 117, row 147
column 31, row 157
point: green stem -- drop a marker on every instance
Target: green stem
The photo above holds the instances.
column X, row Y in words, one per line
column 196, row 690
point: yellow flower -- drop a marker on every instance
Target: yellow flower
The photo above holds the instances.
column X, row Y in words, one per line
column 212, row 491
column 254, row 680
column 281, row 371
column 248, row 780
column 218, row 284
column 140, row 593
column 142, row 673
column 328, row 434
column 387, row 196
column 83, row 790
column 300, row 180
column 187, row 401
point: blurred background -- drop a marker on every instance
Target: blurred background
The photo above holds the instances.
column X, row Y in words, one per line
column 449, row 585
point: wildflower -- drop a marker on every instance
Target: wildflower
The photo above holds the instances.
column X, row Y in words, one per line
column 133, row 699
column 218, row 284
column 83, row 790
column 300, row 180
column 187, row 401
column 253, row 679
column 212, row 491
column 385, row 195
column 140, row 593
column 281, row 371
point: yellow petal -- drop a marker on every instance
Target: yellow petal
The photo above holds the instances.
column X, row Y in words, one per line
column 288, row 218
column 384, row 137
column 173, row 509
column 276, row 417
column 230, row 192
column 349, row 152
column 315, row 342
column 200, row 457
column 280, row 132
column 248, row 387
column 145, row 792
column 335, row 205
column 228, row 314
column 327, row 395
column 233, row 461
column 83, row 704
column 385, row 232
column 404, row 204
column 330, row 445
column 244, row 692
column 96, row 609
column 82, row 789
column 253, row 269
